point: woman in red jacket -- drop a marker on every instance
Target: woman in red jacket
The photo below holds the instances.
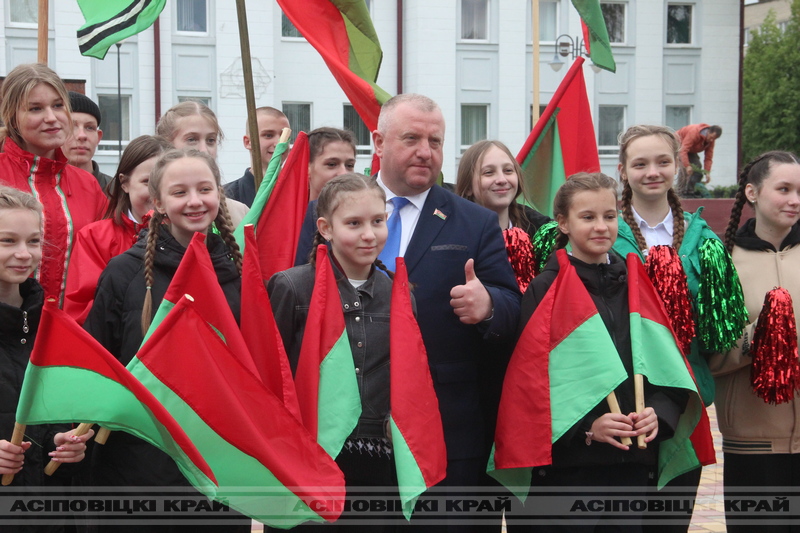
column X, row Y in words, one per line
column 97, row 243
column 34, row 107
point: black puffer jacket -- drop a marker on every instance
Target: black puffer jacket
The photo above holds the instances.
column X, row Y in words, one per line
column 115, row 321
column 15, row 351
column 607, row 285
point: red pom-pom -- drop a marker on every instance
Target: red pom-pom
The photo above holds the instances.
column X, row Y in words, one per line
column 520, row 255
column 775, row 369
column 665, row 270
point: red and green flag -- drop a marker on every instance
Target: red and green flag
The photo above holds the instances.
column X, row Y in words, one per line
column 279, row 208
column 416, row 425
column 267, row 465
column 657, row 356
column 110, row 21
column 325, row 379
column 561, row 143
column 595, row 33
column 196, row 276
column 66, row 359
column 343, row 34
column 540, row 401
column 260, row 331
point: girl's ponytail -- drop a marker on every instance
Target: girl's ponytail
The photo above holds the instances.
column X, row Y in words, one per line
column 225, row 227
column 627, row 216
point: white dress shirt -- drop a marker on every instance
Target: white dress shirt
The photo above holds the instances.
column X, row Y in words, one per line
column 661, row 234
column 409, row 215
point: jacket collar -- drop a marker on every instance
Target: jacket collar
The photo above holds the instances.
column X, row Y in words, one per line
column 39, row 167
column 746, row 238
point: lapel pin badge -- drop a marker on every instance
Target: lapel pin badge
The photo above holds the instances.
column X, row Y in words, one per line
column 439, row 214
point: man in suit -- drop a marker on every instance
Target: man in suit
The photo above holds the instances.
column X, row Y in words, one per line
column 467, row 297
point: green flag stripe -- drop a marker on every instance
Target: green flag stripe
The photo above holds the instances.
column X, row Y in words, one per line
column 262, row 195
column 270, row 502
column 101, row 400
column 661, row 371
column 570, row 365
column 410, row 481
column 339, row 402
column 516, row 480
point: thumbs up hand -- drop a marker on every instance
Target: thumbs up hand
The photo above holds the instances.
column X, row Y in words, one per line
column 471, row 302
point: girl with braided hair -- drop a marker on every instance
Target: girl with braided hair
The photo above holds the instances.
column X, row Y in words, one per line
column 352, row 219
column 651, row 214
column 759, row 439
column 186, row 193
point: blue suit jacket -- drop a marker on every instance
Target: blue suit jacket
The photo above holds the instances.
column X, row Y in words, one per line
column 435, row 258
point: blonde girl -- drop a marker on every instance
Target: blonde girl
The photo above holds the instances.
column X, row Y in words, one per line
column 193, row 125
column 21, row 301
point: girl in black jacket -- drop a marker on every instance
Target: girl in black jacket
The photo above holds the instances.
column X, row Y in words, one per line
column 21, row 300
column 186, row 192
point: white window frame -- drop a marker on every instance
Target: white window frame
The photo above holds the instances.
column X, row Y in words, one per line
column 361, row 149
column 28, row 25
column 464, row 146
column 289, row 38
column 625, row 16
column 108, row 144
column 529, row 36
column 206, row 33
column 610, row 149
column 686, row 106
column 296, row 130
column 488, row 37
column 693, row 31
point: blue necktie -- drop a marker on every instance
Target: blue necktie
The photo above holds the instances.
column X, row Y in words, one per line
column 395, row 226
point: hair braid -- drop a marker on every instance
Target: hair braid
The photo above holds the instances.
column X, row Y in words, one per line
column 225, row 227
column 379, row 264
column 149, row 259
column 562, row 239
column 318, row 239
column 738, row 205
column 627, row 216
column 678, row 226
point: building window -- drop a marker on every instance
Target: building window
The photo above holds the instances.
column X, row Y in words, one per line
column 23, row 12
column 474, row 124
column 192, row 16
column 611, row 122
column 678, row 116
column 353, row 122
column 679, row 24
column 288, row 29
column 548, row 21
column 475, row 20
column 114, row 126
column 614, row 15
column 205, row 100
column 299, row 116
column 531, row 123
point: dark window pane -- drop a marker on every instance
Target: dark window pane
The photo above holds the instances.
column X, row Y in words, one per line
column 287, row 28
column 353, row 122
column 299, row 116
column 679, row 24
column 474, row 18
column 614, row 14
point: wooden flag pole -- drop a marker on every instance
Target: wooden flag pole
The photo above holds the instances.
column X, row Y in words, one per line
column 16, row 440
column 102, row 435
column 43, row 23
column 249, row 94
column 613, row 406
column 82, row 429
column 638, row 391
column 535, row 69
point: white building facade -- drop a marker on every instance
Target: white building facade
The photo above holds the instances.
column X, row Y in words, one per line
column 677, row 63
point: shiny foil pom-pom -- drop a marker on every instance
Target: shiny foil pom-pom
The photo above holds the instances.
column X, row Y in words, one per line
column 544, row 242
column 775, row 369
column 665, row 270
column 721, row 313
column 520, row 255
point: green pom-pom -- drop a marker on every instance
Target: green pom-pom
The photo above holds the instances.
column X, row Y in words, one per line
column 544, row 242
column 721, row 313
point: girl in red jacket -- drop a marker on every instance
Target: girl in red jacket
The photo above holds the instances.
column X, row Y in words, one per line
column 98, row 242
column 34, row 107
